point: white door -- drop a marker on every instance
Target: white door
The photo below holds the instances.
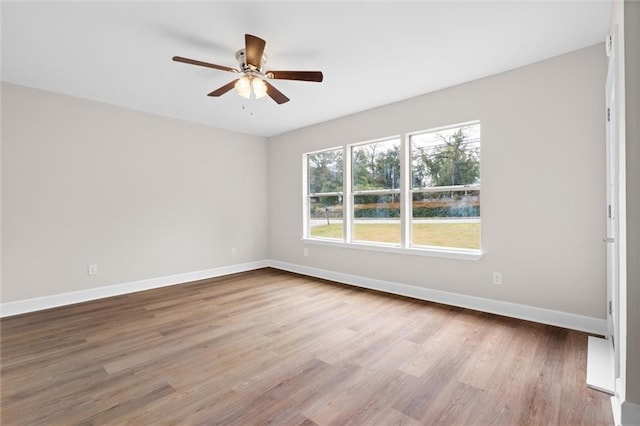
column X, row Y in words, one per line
column 612, row 240
column 603, row 354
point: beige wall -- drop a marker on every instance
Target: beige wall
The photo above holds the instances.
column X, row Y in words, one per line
column 632, row 112
column 624, row 26
column 139, row 195
column 543, row 192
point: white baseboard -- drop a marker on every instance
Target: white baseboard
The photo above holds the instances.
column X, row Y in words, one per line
column 514, row 310
column 530, row 313
column 39, row 303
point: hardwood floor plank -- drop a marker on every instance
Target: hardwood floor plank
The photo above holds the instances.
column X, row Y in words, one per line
column 272, row 347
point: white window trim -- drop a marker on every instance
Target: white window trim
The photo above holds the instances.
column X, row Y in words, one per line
column 405, row 246
column 448, row 253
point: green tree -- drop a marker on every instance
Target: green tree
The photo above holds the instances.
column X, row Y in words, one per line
column 454, row 161
column 363, row 168
column 388, row 169
column 376, row 166
column 325, row 171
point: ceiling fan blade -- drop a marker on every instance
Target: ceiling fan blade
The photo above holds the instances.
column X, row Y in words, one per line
column 254, row 49
column 296, row 75
column 224, row 89
column 275, row 94
column 203, row 64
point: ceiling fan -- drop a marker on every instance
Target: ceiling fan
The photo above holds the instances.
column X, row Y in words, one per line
column 253, row 82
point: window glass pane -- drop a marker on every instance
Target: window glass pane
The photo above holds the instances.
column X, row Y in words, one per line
column 377, row 218
column 376, row 165
column 446, row 219
column 325, row 216
column 325, row 171
column 446, row 157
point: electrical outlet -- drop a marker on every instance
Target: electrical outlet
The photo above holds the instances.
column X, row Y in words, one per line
column 92, row 269
column 305, row 252
column 497, row 278
column 234, row 251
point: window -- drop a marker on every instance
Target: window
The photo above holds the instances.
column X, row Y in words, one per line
column 418, row 192
column 375, row 191
column 324, row 199
column 445, row 187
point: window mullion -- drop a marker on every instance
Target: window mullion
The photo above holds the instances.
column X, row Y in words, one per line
column 377, row 192
column 405, row 202
column 347, row 198
column 474, row 187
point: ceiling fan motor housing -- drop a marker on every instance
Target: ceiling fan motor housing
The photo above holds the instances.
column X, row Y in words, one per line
column 244, row 67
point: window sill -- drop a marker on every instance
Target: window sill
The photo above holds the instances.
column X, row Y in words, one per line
column 459, row 254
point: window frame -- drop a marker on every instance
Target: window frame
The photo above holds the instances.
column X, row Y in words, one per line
column 307, row 194
column 405, row 192
column 353, row 193
column 436, row 189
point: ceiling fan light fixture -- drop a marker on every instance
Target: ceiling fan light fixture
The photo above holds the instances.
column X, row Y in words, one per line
column 243, row 87
column 259, row 87
column 250, row 87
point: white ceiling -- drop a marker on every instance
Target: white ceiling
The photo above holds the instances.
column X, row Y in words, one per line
column 371, row 53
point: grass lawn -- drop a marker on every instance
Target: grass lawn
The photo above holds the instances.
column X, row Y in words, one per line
column 462, row 235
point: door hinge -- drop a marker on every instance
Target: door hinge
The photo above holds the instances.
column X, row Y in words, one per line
column 608, row 114
column 610, row 308
column 609, row 210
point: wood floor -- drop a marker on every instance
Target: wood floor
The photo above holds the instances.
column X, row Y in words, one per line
column 270, row 347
